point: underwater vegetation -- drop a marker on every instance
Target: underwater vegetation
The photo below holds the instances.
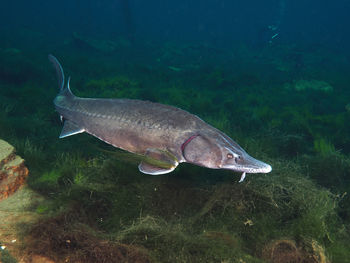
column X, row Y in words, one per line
column 98, row 206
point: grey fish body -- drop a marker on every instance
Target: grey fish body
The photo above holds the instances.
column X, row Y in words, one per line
column 166, row 135
column 132, row 125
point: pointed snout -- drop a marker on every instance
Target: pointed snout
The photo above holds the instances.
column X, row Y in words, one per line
column 264, row 168
column 252, row 165
column 249, row 164
column 256, row 166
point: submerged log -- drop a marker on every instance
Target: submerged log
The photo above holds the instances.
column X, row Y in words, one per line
column 13, row 172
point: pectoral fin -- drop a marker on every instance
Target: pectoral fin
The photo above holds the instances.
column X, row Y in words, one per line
column 69, row 128
column 158, row 161
column 154, row 170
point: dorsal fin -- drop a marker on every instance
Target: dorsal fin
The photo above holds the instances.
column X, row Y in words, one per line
column 64, row 91
column 67, row 92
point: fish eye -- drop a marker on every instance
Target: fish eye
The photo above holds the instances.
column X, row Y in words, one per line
column 229, row 156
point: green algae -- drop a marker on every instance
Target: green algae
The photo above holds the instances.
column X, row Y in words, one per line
column 222, row 222
column 159, row 236
column 324, row 147
column 118, row 86
column 193, row 214
column 6, row 257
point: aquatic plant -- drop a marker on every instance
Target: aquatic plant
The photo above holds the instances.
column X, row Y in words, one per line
column 6, row 257
column 62, row 238
column 111, row 87
column 102, row 205
column 324, row 147
column 331, row 170
column 313, row 85
column 297, row 208
column 171, row 242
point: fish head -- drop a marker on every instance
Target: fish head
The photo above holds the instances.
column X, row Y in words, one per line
column 235, row 158
column 218, row 151
column 201, row 150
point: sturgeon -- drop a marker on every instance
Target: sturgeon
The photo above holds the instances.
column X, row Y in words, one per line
column 163, row 135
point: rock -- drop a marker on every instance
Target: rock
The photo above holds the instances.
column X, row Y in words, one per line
column 289, row 251
column 282, row 251
column 13, row 172
column 18, row 206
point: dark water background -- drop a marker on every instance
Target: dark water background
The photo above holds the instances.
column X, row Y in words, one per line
column 274, row 75
column 218, row 22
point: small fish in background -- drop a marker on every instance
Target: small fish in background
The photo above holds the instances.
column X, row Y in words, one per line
column 275, row 27
column 163, row 135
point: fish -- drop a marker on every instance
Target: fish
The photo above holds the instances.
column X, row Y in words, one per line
column 163, row 135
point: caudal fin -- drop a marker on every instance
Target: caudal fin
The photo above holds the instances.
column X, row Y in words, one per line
column 60, row 76
column 59, row 71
